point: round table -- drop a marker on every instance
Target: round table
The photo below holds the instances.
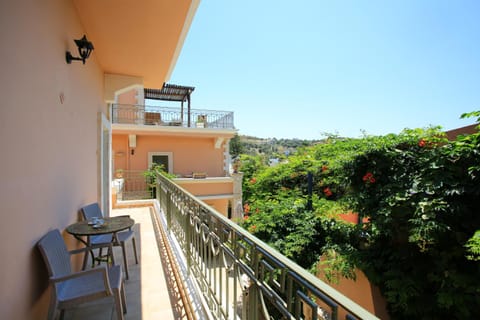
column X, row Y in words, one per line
column 111, row 225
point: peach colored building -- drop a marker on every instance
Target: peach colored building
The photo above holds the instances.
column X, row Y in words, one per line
column 54, row 118
column 189, row 143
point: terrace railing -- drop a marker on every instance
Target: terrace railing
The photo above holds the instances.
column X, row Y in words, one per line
column 134, row 186
column 237, row 275
column 169, row 116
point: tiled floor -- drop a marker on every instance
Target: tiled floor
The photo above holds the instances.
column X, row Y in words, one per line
column 147, row 289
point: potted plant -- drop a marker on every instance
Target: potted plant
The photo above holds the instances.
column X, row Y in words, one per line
column 119, row 173
column 201, row 121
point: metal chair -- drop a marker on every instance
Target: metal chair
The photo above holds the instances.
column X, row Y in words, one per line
column 93, row 211
column 72, row 288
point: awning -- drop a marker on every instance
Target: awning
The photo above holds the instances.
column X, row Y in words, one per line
column 171, row 92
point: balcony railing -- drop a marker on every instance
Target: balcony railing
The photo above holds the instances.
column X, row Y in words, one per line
column 169, row 116
column 133, row 185
column 237, row 275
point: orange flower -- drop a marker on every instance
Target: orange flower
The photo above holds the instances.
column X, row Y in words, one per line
column 253, row 180
column 327, row 192
column 252, row 229
column 324, row 168
column 422, row 143
column 368, row 177
column 246, row 208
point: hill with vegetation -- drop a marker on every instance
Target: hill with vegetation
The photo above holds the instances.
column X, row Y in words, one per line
column 268, row 148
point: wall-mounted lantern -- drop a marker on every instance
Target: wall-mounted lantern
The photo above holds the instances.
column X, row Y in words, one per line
column 85, row 47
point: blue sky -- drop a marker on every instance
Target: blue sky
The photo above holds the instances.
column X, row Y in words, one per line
column 300, row 69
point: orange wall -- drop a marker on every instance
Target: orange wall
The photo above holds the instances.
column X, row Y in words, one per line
column 362, row 292
column 129, row 97
column 190, row 154
column 49, row 136
column 207, row 188
column 221, row 205
column 203, row 187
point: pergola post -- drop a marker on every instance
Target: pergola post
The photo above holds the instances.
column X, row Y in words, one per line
column 188, row 100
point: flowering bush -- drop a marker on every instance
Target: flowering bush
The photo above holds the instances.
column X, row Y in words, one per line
column 421, row 215
column 417, row 197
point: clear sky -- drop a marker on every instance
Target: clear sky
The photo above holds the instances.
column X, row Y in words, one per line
column 297, row 69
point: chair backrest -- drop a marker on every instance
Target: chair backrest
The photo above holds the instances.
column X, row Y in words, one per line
column 92, row 211
column 55, row 254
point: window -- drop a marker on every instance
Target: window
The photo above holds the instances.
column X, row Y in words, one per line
column 161, row 158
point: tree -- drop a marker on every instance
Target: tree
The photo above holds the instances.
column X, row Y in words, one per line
column 236, row 146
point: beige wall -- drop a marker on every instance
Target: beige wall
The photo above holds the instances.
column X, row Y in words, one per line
column 190, row 154
column 48, row 133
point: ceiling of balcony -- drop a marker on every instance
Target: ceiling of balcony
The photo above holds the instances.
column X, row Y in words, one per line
column 140, row 38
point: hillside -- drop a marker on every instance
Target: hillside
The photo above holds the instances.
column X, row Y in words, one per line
column 269, row 147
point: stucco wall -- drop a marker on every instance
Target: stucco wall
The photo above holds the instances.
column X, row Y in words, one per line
column 205, row 187
column 362, row 292
column 190, row 154
column 221, row 205
column 49, row 136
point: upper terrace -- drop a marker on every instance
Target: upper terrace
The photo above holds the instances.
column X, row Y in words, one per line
column 142, row 115
column 184, row 117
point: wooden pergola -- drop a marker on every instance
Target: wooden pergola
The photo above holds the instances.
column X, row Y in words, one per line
column 172, row 92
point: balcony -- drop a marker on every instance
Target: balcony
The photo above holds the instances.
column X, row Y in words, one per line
column 197, row 264
column 171, row 117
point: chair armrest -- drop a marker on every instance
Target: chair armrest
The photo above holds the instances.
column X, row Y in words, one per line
column 100, row 269
column 79, row 274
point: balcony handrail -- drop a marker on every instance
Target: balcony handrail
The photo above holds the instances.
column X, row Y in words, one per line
column 171, row 116
column 225, row 260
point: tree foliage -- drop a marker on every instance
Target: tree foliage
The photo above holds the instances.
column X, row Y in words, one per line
column 417, row 195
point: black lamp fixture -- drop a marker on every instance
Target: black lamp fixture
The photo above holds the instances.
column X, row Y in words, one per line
column 85, row 47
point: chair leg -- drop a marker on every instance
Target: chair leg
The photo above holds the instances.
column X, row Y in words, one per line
column 125, row 259
column 135, row 249
column 100, row 251
column 124, row 297
column 52, row 307
column 85, row 260
column 118, row 304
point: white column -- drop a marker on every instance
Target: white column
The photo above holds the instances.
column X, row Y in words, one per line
column 237, row 205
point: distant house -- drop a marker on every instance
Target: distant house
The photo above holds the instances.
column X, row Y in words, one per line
column 454, row 133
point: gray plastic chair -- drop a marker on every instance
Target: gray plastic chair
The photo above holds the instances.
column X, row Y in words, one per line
column 93, row 211
column 72, row 288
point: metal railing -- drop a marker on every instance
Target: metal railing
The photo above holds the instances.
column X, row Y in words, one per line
column 237, row 275
column 169, row 116
column 134, row 186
